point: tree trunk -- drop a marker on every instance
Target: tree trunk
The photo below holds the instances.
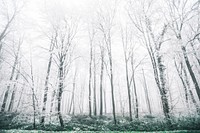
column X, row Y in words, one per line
column 95, row 103
column 146, row 94
column 136, row 97
column 46, row 89
column 73, row 92
column 10, row 107
column 101, row 81
column 112, row 85
column 90, row 80
column 11, row 78
column 20, row 97
column 194, row 102
column 33, row 95
column 190, row 91
column 34, row 108
column 135, row 89
column 189, row 67
column 3, row 107
column 163, row 89
column 128, row 89
column 60, row 90
column 105, row 108
column 195, row 53
column 52, row 103
column 182, row 80
column 120, row 101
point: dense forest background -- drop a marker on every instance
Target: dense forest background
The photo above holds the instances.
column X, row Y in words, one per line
column 108, row 63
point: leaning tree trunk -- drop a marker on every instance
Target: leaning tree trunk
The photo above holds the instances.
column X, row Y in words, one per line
column 163, row 87
column 20, row 97
column 46, row 89
column 3, row 107
column 10, row 107
column 194, row 102
column 183, row 81
column 189, row 67
column 146, row 94
column 190, row 91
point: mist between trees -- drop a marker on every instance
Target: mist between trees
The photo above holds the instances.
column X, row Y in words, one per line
column 120, row 59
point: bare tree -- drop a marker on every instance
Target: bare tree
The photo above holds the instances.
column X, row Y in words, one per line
column 64, row 46
column 16, row 56
column 101, row 79
column 180, row 13
column 47, row 79
column 105, row 25
column 10, row 16
column 95, row 95
column 180, row 73
column 134, row 87
column 10, row 107
column 104, row 96
column 127, row 50
column 91, row 39
column 33, row 93
column 153, row 44
column 186, row 84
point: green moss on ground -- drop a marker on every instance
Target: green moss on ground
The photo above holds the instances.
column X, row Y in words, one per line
column 105, row 123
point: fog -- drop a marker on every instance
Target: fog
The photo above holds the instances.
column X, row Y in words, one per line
column 54, row 47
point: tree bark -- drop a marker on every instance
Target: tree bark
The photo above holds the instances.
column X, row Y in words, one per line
column 112, row 85
column 146, row 94
column 90, row 80
column 105, row 107
column 73, row 93
column 10, row 107
column 182, row 80
column 3, row 107
column 101, row 81
column 163, row 89
column 136, row 97
column 20, row 97
column 128, row 89
column 33, row 95
column 189, row 67
column 46, row 89
column 94, row 87
column 52, row 103
column 60, row 91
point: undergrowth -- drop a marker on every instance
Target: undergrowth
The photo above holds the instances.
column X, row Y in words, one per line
column 104, row 123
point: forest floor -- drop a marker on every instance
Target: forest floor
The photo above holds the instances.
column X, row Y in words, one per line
column 40, row 131
column 21, row 123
